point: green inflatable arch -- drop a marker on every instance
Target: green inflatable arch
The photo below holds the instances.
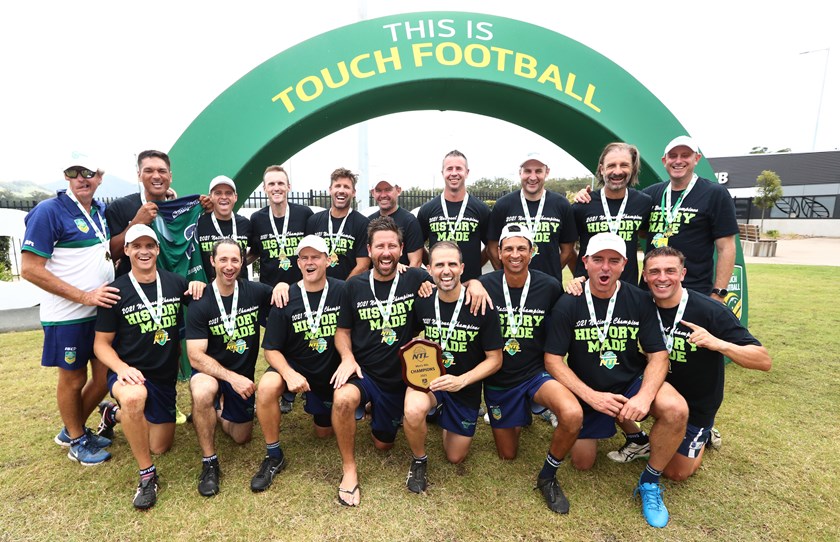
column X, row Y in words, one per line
column 494, row 66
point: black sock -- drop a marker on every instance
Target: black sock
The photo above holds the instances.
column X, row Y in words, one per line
column 274, row 450
column 550, row 466
column 637, row 438
column 650, row 475
column 148, row 473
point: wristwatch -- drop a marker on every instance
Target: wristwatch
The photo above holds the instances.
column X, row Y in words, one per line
column 720, row 292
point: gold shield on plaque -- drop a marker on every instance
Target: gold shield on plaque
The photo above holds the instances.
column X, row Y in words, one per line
column 422, row 362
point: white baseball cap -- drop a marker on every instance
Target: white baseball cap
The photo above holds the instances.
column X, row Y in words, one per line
column 681, row 141
column 139, row 230
column 222, row 179
column 312, row 241
column 516, row 230
column 606, row 241
column 533, row 156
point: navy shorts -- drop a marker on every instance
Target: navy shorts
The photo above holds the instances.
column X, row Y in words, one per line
column 512, row 407
column 386, row 407
column 597, row 425
column 694, row 440
column 455, row 416
column 160, row 399
column 234, row 409
column 68, row 346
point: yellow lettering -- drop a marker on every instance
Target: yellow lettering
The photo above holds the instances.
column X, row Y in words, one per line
column 440, row 55
column 590, row 92
column 354, row 67
column 523, row 66
column 301, row 91
column 284, row 97
column 420, row 53
column 570, row 85
column 342, row 69
column 552, row 73
column 485, row 55
column 503, row 53
column 393, row 59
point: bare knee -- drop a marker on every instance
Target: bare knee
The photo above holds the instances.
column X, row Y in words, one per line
column 244, row 438
column 160, row 447
column 456, row 458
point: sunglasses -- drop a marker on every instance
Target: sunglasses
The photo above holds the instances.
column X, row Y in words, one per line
column 75, row 171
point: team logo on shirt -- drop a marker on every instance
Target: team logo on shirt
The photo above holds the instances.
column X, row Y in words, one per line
column 70, row 355
column 496, row 412
column 609, row 359
column 239, row 346
column 318, row 345
column 82, row 225
column 389, row 336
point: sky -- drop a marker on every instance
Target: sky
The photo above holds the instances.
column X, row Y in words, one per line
column 111, row 79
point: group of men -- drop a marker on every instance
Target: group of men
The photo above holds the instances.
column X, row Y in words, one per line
column 349, row 291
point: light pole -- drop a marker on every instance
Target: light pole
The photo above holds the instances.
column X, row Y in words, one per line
column 822, row 91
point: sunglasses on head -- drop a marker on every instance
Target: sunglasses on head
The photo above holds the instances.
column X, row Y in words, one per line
column 75, row 171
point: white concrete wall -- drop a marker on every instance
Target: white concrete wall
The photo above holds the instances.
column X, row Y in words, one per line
column 815, row 227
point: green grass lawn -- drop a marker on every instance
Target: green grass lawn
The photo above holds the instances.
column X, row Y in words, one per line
column 774, row 478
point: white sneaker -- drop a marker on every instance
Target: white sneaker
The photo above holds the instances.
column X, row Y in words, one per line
column 715, row 440
column 629, row 452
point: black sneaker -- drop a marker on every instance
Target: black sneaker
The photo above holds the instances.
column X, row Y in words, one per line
column 146, row 495
column 105, row 429
column 208, row 482
column 265, row 475
column 553, row 495
column 416, row 481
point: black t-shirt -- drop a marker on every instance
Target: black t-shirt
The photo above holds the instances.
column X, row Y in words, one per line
column 529, row 361
column 237, row 352
column 312, row 355
column 137, row 342
column 351, row 245
column 377, row 352
column 472, row 231
column 267, row 247
column 119, row 213
column 412, row 237
column 634, row 324
column 698, row 373
column 707, row 214
column 557, row 226
column 207, row 235
column 591, row 221
column 470, row 339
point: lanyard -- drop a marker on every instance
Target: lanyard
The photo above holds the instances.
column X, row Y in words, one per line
column 602, row 334
column 385, row 312
column 281, row 243
column 452, row 321
column 614, row 225
column 98, row 230
column 459, row 218
column 157, row 312
column 536, row 225
column 219, row 229
column 315, row 321
column 229, row 321
column 512, row 323
column 669, row 212
column 669, row 337
column 334, row 240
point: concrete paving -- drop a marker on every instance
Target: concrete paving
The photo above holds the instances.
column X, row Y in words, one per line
column 805, row 251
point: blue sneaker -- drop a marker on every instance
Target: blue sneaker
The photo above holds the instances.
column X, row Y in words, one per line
column 63, row 439
column 86, row 453
column 652, row 506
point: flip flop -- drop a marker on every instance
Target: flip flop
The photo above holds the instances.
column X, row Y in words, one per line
column 342, row 502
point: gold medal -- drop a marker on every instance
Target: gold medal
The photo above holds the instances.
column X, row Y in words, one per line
column 660, row 240
column 161, row 337
column 448, row 359
column 609, row 359
column 231, row 345
column 389, row 336
column 285, row 263
column 535, row 250
column 512, row 346
column 333, row 259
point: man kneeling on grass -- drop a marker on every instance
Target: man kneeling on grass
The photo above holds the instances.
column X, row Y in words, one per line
column 137, row 339
column 472, row 350
column 223, row 341
column 599, row 334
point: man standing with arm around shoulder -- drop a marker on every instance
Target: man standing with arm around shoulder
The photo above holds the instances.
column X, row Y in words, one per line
column 66, row 253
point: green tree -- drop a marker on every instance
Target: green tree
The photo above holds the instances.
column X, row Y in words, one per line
column 497, row 184
column 769, row 191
